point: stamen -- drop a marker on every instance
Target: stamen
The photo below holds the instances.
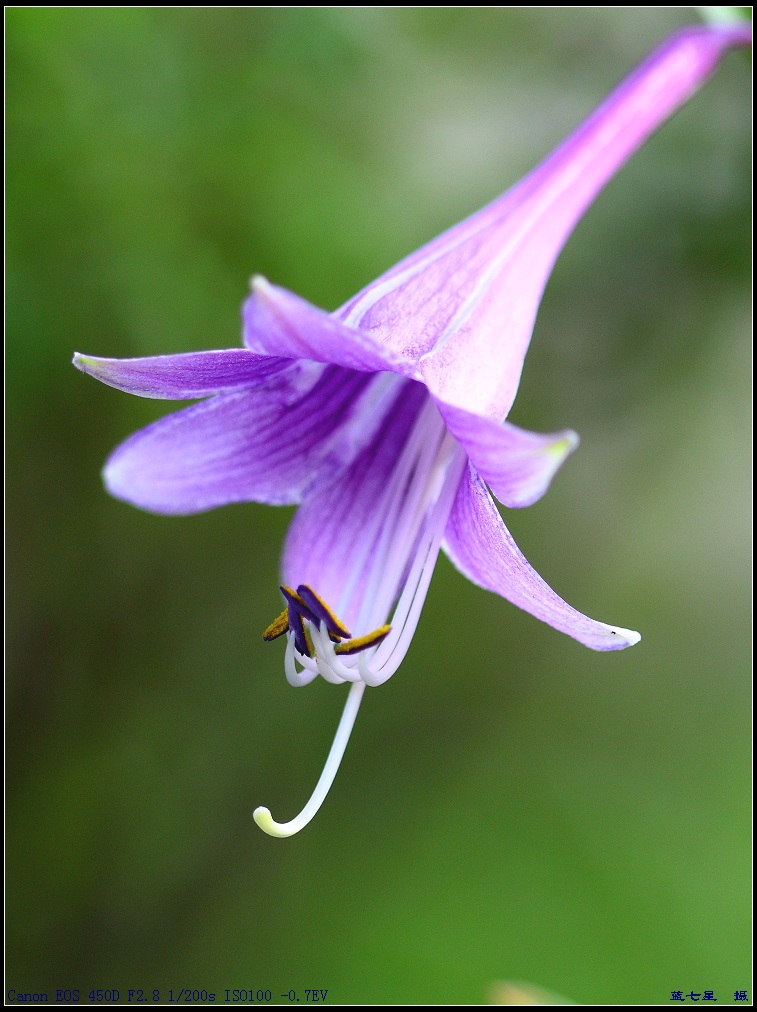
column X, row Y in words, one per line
column 329, row 665
column 308, row 641
column 297, row 612
column 324, row 657
column 305, row 675
column 297, row 624
column 371, row 639
column 293, row 598
column 263, row 815
column 278, row 627
column 322, row 612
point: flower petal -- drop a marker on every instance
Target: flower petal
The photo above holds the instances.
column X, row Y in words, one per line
column 249, row 445
column 277, row 322
column 332, row 540
column 482, row 548
column 468, row 300
column 186, row 376
column 516, row 464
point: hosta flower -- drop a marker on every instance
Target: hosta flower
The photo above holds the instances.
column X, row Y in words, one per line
column 386, row 420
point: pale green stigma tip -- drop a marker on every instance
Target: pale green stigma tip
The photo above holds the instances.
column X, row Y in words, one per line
column 264, row 819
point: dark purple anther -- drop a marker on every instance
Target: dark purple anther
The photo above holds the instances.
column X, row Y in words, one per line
column 320, row 612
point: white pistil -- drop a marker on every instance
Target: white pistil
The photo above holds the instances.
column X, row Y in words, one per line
column 263, row 815
column 403, row 542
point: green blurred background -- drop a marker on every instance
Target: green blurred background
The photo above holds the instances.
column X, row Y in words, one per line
column 512, row 805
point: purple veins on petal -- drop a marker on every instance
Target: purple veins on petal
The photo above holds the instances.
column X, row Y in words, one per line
column 464, row 305
column 517, row 465
column 249, row 445
column 190, row 375
column 278, row 322
column 481, row 547
column 334, row 536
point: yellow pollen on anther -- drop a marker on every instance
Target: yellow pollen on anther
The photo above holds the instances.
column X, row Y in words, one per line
column 308, row 640
column 278, row 627
column 370, row 639
column 291, row 592
column 314, row 608
column 340, row 629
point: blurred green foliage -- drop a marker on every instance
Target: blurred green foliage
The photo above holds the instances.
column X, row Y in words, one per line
column 512, row 805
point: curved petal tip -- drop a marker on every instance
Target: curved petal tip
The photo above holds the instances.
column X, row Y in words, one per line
column 625, row 638
column 85, row 363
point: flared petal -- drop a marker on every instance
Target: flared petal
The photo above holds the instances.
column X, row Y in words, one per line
column 516, row 464
column 331, row 543
column 194, row 374
column 465, row 304
column 278, row 322
column 482, row 548
column 249, row 445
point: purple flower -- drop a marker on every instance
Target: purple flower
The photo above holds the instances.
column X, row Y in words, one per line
column 386, row 420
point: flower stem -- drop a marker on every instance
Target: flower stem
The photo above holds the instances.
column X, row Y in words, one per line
column 263, row 815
